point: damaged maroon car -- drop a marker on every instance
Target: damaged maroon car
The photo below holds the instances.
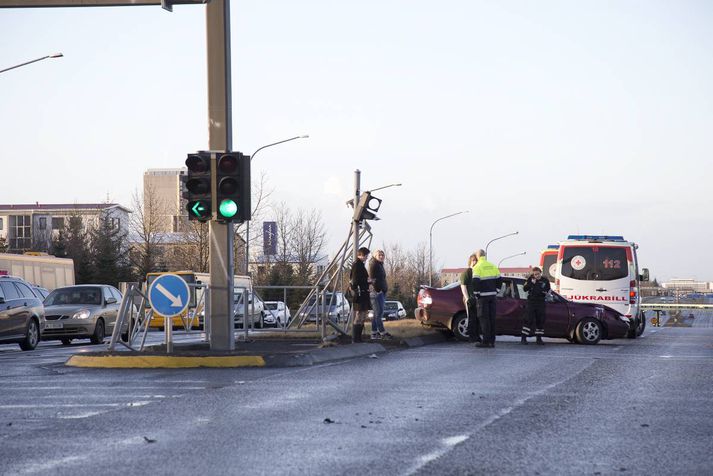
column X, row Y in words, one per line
column 576, row 322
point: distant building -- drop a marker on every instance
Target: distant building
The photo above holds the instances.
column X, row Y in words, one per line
column 32, row 227
column 451, row 275
column 165, row 185
column 688, row 285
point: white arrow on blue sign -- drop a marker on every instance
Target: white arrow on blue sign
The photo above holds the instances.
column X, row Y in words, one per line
column 169, row 295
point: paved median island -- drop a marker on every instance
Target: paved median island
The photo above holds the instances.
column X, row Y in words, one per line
column 272, row 349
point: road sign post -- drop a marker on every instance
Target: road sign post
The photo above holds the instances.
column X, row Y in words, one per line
column 169, row 296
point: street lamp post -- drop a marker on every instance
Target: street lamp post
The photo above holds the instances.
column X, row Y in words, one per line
column 54, row 55
column 247, row 229
column 511, row 256
column 430, row 245
column 498, row 238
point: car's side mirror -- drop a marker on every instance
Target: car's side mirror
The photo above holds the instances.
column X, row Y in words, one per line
column 644, row 274
column 111, row 300
column 2, row 300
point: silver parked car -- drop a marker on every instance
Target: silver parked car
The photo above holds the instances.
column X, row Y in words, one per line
column 87, row 311
column 22, row 317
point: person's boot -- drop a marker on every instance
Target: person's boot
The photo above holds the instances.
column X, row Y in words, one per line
column 523, row 340
column 356, row 333
column 482, row 344
column 539, row 340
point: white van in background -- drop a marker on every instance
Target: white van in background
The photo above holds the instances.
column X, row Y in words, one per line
column 604, row 270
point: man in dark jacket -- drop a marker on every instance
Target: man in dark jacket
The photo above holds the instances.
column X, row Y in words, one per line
column 537, row 287
column 377, row 278
column 359, row 283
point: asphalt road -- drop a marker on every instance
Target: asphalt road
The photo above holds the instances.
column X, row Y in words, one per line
column 640, row 406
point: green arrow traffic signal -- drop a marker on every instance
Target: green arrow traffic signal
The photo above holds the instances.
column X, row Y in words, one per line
column 199, row 209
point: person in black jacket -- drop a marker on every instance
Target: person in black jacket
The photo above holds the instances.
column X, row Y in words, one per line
column 377, row 278
column 359, row 283
column 537, row 287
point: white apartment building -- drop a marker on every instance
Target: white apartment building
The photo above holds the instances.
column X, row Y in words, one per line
column 27, row 227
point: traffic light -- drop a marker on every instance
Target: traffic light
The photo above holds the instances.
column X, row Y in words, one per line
column 232, row 187
column 196, row 186
column 367, row 207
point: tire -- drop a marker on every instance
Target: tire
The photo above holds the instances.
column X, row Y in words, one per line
column 66, row 341
column 32, row 335
column 631, row 333
column 98, row 336
column 642, row 325
column 589, row 331
column 459, row 326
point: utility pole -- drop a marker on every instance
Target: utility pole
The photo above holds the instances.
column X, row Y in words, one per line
column 220, row 137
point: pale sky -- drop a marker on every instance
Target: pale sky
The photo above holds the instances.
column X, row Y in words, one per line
column 548, row 117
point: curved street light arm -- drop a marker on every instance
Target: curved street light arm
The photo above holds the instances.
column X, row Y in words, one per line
column 430, row 244
column 305, row 136
column 511, row 256
column 54, row 55
column 498, row 238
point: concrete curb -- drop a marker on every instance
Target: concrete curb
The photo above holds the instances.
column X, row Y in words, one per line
column 325, row 355
column 126, row 360
column 163, row 361
column 419, row 341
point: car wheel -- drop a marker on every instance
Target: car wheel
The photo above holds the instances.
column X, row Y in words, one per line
column 66, row 340
column 589, row 331
column 98, row 336
column 631, row 333
column 459, row 327
column 642, row 325
column 32, row 336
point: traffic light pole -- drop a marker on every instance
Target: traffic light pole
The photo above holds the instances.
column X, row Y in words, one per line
column 220, row 125
column 355, row 221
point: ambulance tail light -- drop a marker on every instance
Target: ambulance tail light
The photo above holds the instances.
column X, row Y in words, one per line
column 632, row 292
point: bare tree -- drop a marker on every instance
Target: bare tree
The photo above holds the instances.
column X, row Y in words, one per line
column 145, row 225
column 191, row 252
column 308, row 237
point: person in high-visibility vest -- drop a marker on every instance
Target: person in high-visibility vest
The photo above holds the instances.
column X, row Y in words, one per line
column 486, row 282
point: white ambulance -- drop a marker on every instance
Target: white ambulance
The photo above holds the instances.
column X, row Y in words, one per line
column 604, row 270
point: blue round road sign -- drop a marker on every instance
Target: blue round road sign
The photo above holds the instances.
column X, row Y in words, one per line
column 169, row 295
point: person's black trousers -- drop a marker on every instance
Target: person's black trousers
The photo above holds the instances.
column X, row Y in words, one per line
column 535, row 315
column 486, row 316
column 473, row 324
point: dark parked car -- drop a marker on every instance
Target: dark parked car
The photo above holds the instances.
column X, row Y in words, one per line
column 87, row 311
column 579, row 322
column 22, row 317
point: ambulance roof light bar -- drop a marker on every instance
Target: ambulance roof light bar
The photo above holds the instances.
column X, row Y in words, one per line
column 598, row 238
column 553, row 247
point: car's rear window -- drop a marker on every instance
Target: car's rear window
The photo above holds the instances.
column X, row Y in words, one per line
column 595, row 263
column 78, row 295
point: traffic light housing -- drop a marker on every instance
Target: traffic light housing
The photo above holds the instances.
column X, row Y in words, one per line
column 197, row 186
column 367, row 207
column 232, row 187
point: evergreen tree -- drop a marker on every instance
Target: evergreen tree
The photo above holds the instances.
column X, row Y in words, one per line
column 109, row 253
column 77, row 248
column 59, row 245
